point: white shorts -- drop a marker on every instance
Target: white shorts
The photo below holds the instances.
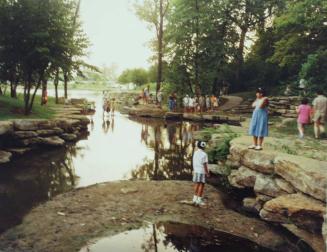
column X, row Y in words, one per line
column 199, row 178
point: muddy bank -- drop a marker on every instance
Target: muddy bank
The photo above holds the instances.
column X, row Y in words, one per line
column 71, row 220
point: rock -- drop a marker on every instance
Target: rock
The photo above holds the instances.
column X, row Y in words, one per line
column 29, row 141
column 260, row 161
column 252, row 205
column 128, row 190
column 28, row 124
column 192, row 117
column 266, row 185
column 69, row 137
column 284, row 185
column 5, row 157
column 219, row 169
column 298, row 209
column 315, row 241
column 305, row 174
column 52, row 141
column 6, row 127
column 173, row 116
column 243, row 177
column 263, row 198
column 25, row 134
column 147, row 111
column 49, row 132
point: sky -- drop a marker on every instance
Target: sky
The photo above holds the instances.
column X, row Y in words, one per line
column 116, row 34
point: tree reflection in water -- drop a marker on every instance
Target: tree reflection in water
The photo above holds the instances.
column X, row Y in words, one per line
column 28, row 181
column 173, row 147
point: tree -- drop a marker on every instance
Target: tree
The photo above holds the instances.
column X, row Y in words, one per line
column 154, row 12
column 138, row 76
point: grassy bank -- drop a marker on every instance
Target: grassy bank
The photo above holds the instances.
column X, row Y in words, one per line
column 14, row 108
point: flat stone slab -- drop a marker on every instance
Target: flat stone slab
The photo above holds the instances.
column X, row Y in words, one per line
column 303, row 211
column 6, row 127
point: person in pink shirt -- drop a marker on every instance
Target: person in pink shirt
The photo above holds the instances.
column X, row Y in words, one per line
column 304, row 112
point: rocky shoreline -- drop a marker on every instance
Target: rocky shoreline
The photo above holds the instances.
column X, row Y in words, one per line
column 155, row 112
column 20, row 136
column 289, row 189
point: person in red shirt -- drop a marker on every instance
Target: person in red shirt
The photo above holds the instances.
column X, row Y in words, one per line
column 304, row 112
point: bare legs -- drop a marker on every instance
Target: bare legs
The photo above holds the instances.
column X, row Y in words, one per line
column 319, row 128
column 198, row 189
column 301, row 130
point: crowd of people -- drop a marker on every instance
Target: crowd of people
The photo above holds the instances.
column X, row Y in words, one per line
column 200, row 103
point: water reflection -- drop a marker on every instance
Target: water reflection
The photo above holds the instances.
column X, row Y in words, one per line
column 24, row 183
column 173, row 147
column 116, row 148
column 173, row 237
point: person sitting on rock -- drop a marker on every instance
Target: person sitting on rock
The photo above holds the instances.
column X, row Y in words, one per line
column 200, row 172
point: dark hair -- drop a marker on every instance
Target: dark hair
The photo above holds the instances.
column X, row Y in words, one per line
column 305, row 101
column 261, row 91
column 200, row 145
column 320, row 92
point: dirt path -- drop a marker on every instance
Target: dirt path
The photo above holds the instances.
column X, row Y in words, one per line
column 232, row 102
column 71, row 220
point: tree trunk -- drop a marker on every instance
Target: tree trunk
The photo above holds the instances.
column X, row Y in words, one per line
column 56, row 82
column 240, row 57
column 27, row 95
column 160, row 49
column 66, row 84
column 34, row 93
column 44, row 92
column 196, row 59
column 1, row 93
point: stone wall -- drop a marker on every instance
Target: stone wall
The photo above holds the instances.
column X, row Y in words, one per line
column 279, row 106
column 20, row 136
column 288, row 189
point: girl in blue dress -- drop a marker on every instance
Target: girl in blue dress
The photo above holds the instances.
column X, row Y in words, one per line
column 259, row 122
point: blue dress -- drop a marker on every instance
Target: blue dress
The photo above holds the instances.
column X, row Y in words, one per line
column 259, row 121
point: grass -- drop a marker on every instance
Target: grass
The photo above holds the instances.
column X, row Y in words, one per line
column 11, row 108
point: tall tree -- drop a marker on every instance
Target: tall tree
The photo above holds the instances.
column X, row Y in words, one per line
column 154, row 12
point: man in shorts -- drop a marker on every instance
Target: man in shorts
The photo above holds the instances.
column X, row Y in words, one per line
column 319, row 113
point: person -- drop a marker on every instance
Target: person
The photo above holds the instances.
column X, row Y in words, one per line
column 200, row 172
column 159, row 98
column 186, row 103
column 319, row 113
column 171, row 103
column 191, row 104
column 113, row 106
column 259, row 122
column 208, row 103
column 304, row 114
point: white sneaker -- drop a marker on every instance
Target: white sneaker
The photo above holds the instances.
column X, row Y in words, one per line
column 252, row 147
column 258, row 148
column 199, row 202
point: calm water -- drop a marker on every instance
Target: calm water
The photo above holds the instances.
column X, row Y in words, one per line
column 173, row 237
column 117, row 148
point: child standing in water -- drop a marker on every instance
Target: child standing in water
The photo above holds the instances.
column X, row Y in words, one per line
column 304, row 114
column 200, row 171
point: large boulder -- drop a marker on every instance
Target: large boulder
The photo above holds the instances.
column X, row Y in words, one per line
column 6, row 127
column 305, row 174
column 299, row 209
column 243, row 177
column 266, row 185
column 5, row 157
column 69, row 137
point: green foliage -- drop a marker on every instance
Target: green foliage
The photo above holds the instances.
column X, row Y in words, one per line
column 314, row 70
column 219, row 150
column 138, row 76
